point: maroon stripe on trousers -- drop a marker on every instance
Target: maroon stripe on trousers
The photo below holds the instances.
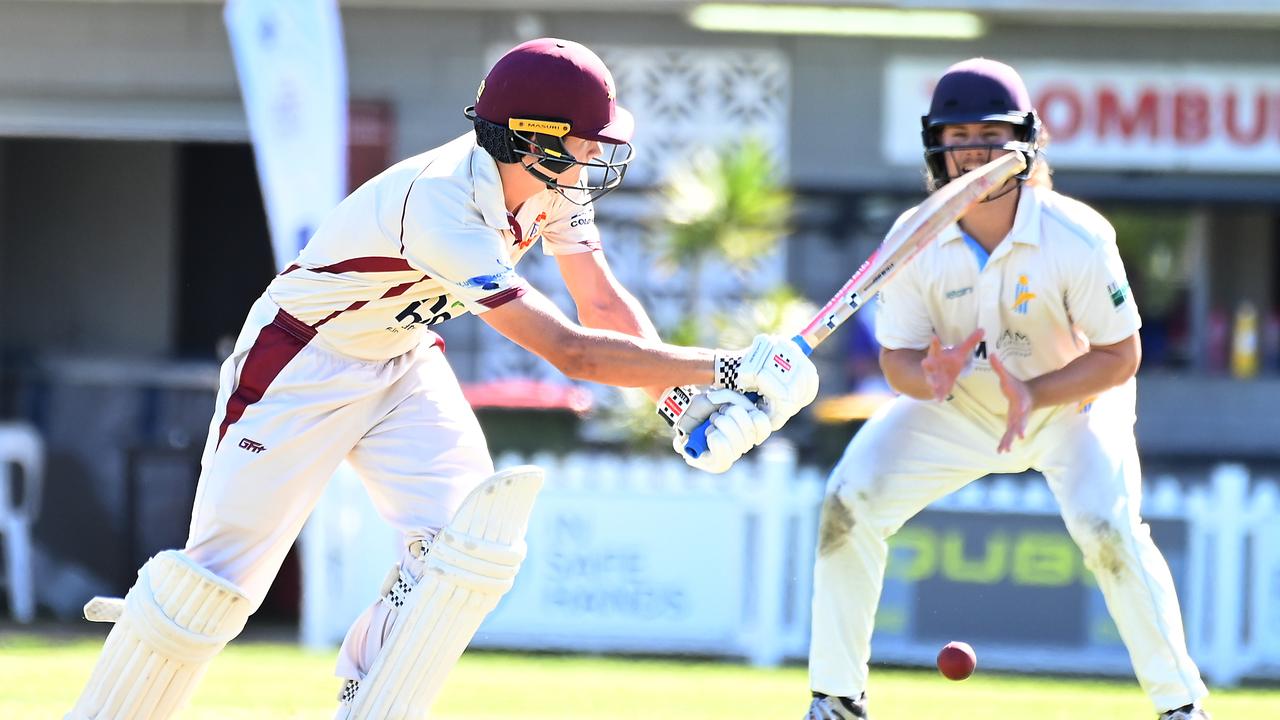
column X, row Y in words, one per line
column 277, row 344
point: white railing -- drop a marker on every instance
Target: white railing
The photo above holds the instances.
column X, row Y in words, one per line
column 643, row 555
column 625, row 555
column 1234, row 609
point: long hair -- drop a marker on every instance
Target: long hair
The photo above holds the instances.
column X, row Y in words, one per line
column 1042, row 173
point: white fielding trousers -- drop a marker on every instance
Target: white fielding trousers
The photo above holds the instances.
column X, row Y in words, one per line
column 289, row 411
column 913, row 452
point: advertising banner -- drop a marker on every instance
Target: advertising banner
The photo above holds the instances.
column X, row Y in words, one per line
column 1011, row 583
column 292, row 71
column 1192, row 117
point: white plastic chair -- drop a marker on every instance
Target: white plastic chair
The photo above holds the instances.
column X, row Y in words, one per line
column 20, row 447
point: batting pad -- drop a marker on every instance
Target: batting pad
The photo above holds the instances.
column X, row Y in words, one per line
column 469, row 566
column 174, row 620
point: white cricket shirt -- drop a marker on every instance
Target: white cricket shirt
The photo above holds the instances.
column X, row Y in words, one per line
column 425, row 241
column 1052, row 288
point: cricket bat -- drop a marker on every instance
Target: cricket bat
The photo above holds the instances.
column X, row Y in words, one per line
column 943, row 207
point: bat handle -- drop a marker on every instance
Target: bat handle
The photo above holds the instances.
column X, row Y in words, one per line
column 697, row 442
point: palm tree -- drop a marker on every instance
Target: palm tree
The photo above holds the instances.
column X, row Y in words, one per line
column 727, row 206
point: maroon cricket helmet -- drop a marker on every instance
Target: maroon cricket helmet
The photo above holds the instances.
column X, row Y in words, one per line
column 554, row 79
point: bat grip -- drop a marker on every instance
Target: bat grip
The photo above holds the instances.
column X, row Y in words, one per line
column 697, row 442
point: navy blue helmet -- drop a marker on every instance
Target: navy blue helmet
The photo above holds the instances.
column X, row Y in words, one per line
column 975, row 91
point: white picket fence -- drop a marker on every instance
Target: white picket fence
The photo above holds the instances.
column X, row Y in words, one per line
column 1233, row 611
column 643, row 555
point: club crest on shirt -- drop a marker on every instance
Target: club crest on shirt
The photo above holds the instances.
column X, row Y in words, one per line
column 535, row 232
column 1022, row 295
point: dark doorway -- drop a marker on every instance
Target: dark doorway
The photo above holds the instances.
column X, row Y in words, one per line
column 224, row 252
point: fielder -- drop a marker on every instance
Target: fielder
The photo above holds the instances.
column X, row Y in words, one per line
column 337, row 360
column 1013, row 340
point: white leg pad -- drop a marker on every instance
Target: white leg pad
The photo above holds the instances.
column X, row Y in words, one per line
column 169, row 626
column 469, row 566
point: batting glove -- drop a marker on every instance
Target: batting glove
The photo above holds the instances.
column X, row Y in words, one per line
column 775, row 368
column 737, row 425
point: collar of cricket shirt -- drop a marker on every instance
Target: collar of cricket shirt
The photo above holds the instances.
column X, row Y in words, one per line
column 486, row 188
column 1026, row 221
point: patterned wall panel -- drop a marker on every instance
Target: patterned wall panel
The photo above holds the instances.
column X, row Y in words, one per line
column 685, row 99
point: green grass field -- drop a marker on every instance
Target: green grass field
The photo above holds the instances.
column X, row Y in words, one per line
column 41, row 678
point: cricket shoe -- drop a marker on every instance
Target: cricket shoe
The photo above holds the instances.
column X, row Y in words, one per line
column 1186, row 712
column 831, row 707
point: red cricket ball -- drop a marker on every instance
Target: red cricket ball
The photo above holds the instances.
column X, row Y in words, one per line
column 956, row 660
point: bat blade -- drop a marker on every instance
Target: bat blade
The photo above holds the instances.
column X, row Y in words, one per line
column 945, row 206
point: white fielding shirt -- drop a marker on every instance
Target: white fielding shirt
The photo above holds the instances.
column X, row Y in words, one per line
column 1052, row 289
column 424, row 241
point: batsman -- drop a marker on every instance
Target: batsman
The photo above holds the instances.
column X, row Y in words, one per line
column 1013, row 342
column 338, row 361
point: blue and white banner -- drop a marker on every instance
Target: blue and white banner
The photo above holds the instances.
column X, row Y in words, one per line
column 290, row 61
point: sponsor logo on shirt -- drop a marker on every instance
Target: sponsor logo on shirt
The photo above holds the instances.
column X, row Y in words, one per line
column 419, row 313
column 1117, row 293
column 488, row 282
column 582, row 219
column 1013, row 344
column 953, row 294
column 252, row 446
column 1022, row 295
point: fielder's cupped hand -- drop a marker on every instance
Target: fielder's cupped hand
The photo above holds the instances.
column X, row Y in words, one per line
column 737, row 425
column 1020, row 404
column 942, row 365
column 774, row 367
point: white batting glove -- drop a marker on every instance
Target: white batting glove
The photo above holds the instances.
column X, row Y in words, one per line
column 737, row 425
column 777, row 369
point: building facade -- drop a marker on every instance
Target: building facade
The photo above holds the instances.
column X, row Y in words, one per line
column 132, row 236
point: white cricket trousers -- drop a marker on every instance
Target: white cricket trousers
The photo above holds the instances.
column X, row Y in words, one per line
column 289, row 411
column 913, row 452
